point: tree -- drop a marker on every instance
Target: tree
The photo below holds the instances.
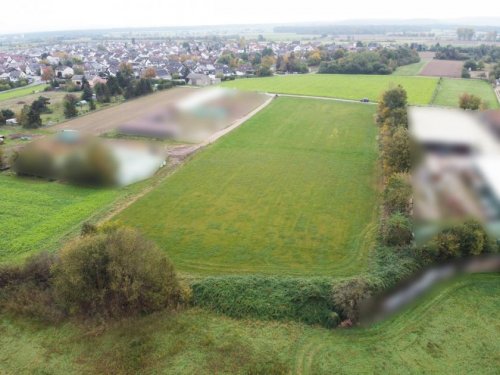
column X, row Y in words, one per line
column 396, row 154
column 469, row 101
column 114, row 273
column 143, row 87
column 92, row 106
column 70, row 109
column 8, row 113
column 113, row 86
column 149, row 73
column 41, row 105
column 2, row 119
column 47, row 74
column 29, row 118
column 102, row 93
column 87, row 93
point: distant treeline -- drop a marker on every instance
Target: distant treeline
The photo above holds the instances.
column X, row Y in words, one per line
column 381, row 61
column 368, row 29
column 488, row 53
column 351, row 29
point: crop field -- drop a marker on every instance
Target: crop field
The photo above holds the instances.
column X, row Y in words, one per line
column 22, row 91
column 343, row 86
column 453, row 330
column 35, row 214
column 443, row 68
column 109, row 119
column 450, row 90
column 291, row 191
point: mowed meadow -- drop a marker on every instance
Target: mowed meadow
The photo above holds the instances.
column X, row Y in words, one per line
column 290, row 192
column 453, row 330
column 342, row 86
column 35, row 214
column 450, row 89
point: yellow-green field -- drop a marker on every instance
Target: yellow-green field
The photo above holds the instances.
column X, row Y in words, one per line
column 292, row 191
column 343, row 86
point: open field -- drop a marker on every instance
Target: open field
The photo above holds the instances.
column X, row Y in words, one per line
column 450, row 90
column 344, row 86
column 410, row 69
column 291, row 191
column 454, row 330
column 443, row 68
column 22, row 91
column 109, row 119
column 35, row 214
column 16, row 104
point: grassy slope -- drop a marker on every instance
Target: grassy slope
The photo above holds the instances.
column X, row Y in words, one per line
column 292, row 191
column 454, row 331
column 36, row 214
column 22, row 91
column 451, row 89
column 420, row 89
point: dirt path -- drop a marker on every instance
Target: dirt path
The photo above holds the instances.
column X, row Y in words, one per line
column 325, row 98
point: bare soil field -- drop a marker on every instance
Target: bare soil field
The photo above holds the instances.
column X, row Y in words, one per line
column 109, row 119
column 443, row 68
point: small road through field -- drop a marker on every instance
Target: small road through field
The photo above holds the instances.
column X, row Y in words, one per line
column 323, row 98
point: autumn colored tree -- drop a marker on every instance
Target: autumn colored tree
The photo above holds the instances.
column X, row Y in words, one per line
column 47, row 74
column 149, row 73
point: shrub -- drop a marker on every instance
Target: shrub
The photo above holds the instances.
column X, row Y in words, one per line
column 348, row 296
column 32, row 161
column 469, row 101
column 467, row 239
column 94, row 165
column 26, row 289
column 114, row 274
column 397, row 230
column 267, row 298
column 397, row 194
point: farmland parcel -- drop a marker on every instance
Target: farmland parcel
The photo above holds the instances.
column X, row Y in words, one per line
column 343, row 86
column 292, row 191
column 450, row 90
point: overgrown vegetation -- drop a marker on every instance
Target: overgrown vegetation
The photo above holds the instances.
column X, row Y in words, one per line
column 107, row 272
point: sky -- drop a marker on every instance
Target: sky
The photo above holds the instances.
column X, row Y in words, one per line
column 51, row 15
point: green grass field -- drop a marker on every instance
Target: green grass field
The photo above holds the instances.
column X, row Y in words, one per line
column 451, row 89
column 454, row 330
column 35, row 214
column 344, row 86
column 410, row 69
column 22, row 91
column 292, row 191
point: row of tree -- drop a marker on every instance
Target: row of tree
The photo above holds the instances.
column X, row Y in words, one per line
column 381, row 61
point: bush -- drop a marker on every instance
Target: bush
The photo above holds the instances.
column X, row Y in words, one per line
column 469, row 101
column 94, row 165
column 350, row 295
column 398, row 230
column 267, row 298
column 26, row 290
column 467, row 239
column 114, row 274
column 31, row 161
column 397, row 194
